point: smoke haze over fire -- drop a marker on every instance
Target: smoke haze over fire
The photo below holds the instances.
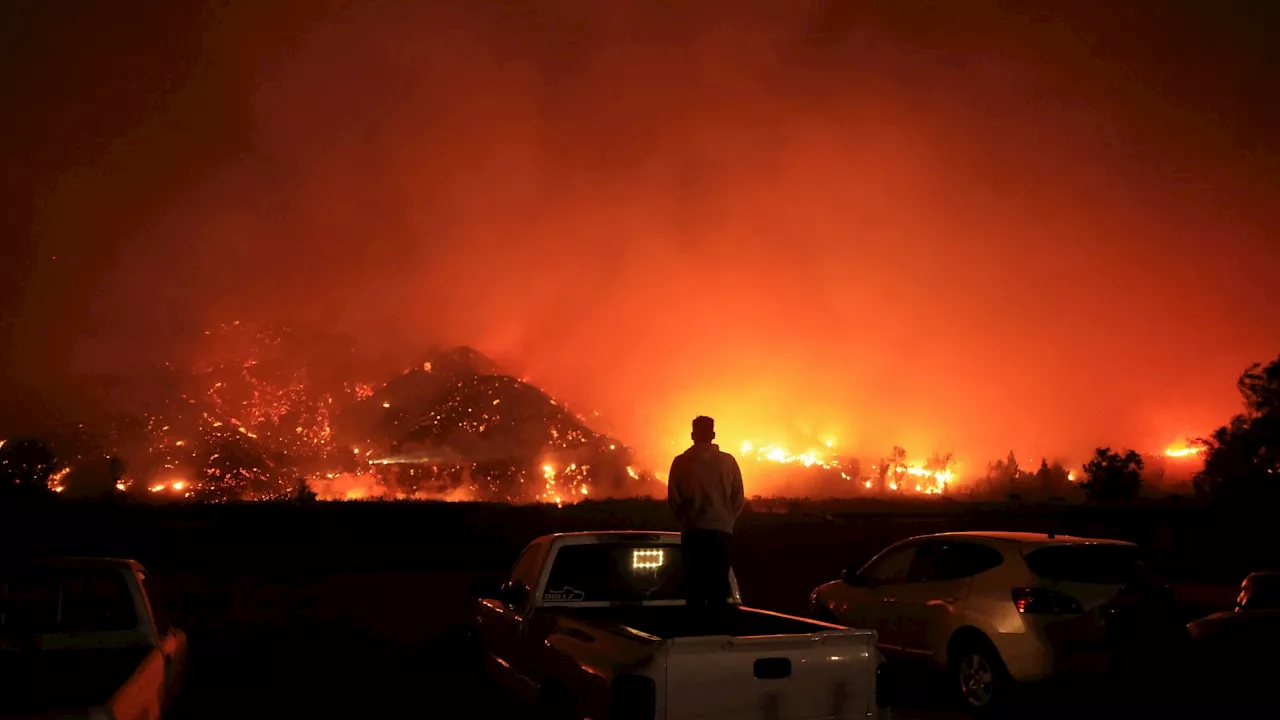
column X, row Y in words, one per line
column 971, row 227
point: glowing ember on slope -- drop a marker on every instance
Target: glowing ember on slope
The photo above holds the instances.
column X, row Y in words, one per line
column 55, row 480
column 564, row 486
column 347, row 487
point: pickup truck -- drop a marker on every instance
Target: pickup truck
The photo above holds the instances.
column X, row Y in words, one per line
column 82, row 638
column 592, row 625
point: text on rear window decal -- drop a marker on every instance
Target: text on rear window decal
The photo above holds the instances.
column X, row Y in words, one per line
column 568, row 594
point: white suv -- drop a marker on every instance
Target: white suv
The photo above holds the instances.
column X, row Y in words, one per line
column 999, row 607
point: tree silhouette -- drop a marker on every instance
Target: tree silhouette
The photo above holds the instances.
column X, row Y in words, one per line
column 897, row 465
column 939, row 463
column 1003, row 475
column 1242, row 458
column 94, row 477
column 1113, row 476
column 303, row 493
column 1052, row 480
column 25, row 466
column 1011, row 467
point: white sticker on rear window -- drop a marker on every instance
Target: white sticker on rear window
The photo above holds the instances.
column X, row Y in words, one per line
column 568, row 594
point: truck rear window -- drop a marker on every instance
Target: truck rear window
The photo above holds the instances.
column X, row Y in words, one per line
column 50, row 599
column 615, row 572
column 1095, row 564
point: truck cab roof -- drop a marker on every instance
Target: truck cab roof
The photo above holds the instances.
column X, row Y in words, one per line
column 87, row 562
column 665, row 537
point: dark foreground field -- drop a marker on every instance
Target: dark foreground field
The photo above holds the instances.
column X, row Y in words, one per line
column 354, row 609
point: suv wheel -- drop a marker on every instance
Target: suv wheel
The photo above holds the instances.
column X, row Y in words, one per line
column 980, row 676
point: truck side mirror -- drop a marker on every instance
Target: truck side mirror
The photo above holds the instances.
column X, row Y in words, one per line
column 514, row 596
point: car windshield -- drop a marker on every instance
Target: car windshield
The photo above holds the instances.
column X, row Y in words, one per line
column 615, row 572
column 1101, row 564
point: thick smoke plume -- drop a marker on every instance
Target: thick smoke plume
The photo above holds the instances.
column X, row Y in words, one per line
column 960, row 228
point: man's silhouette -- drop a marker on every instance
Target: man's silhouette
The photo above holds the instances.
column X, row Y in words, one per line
column 704, row 490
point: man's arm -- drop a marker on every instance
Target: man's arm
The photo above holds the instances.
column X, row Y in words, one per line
column 736, row 494
column 673, row 491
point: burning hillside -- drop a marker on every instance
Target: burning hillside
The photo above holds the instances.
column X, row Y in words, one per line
column 256, row 421
column 455, row 425
column 269, row 414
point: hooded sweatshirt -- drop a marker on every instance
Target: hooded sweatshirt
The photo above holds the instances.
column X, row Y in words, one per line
column 704, row 488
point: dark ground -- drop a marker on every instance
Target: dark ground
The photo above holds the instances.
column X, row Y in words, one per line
column 354, row 609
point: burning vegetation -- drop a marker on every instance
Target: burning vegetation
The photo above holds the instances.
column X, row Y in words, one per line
column 257, row 418
column 275, row 415
column 827, row 472
column 256, row 421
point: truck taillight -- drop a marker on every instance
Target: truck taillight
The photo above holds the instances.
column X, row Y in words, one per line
column 633, row 697
column 1042, row 601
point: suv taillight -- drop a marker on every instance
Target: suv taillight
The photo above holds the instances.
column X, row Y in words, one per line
column 633, row 697
column 1041, row 601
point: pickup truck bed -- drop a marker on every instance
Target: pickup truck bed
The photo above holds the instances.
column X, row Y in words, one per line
column 592, row 625
column 64, row 679
column 677, row 621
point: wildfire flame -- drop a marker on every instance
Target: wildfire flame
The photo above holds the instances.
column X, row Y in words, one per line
column 923, row 480
column 565, row 485
column 779, row 454
column 55, row 480
column 256, row 427
column 1183, row 451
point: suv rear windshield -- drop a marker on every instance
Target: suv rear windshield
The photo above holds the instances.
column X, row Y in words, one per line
column 1096, row 564
column 615, row 572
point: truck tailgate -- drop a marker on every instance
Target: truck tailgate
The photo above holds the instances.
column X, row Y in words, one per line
column 826, row 675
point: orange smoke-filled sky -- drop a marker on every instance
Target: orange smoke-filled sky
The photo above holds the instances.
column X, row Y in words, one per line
column 968, row 226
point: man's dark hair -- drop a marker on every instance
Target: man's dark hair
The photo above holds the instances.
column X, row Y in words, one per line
column 704, row 429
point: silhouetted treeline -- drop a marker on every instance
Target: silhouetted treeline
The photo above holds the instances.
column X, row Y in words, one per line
column 1242, row 458
column 1006, row 478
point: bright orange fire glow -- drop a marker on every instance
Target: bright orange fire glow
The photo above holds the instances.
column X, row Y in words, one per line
column 55, row 480
column 779, row 454
column 844, row 273
column 915, row 477
column 565, row 485
column 1183, row 451
column 174, row 486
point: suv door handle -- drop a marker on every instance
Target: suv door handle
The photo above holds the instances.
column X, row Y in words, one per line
column 891, row 599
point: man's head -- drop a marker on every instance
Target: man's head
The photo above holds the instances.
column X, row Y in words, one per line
column 704, row 429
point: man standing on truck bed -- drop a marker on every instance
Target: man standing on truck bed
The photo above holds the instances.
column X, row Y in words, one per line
column 704, row 490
